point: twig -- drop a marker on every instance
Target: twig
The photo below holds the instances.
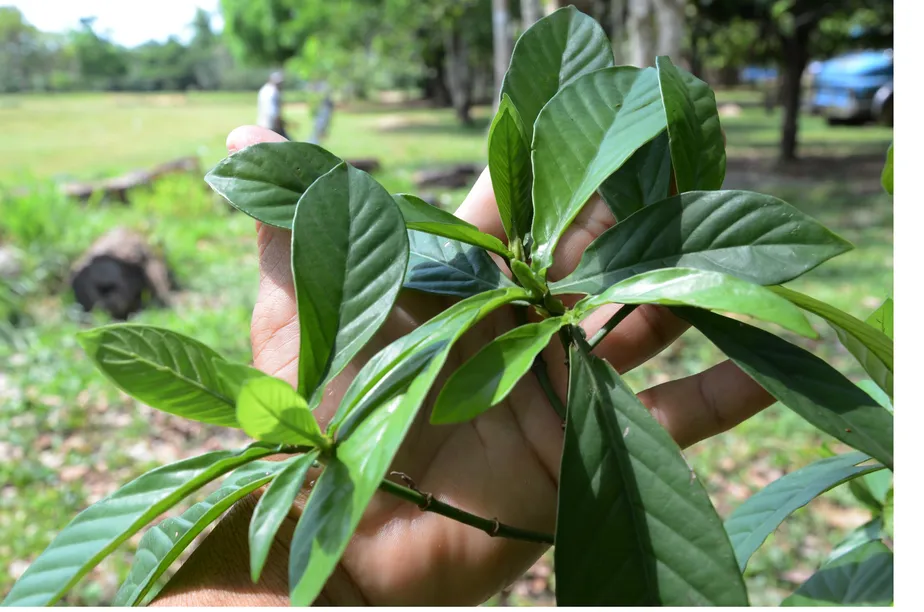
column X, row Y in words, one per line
column 541, row 371
column 615, row 320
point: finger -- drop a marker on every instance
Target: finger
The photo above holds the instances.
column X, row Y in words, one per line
column 711, row 402
column 480, row 208
column 247, row 135
column 647, row 331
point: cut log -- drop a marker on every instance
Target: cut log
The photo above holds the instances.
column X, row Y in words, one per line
column 453, row 177
column 366, row 165
column 120, row 274
column 117, row 188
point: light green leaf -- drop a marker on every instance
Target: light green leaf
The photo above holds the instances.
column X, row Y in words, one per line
column 422, row 217
column 552, row 53
column 802, row 382
column 862, row 577
column 635, row 526
column 487, row 378
column 163, row 543
column 697, row 147
column 888, row 171
column 703, row 289
column 643, row 180
column 272, row 509
column 583, row 135
column 883, row 318
column 449, row 267
column 268, row 409
column 760, row 515
column 349, row 257
column 266, row 180
column 511, row 170
column 888, row 514
column 163, row 369
column 99, row 529
column 755, row 237
column 233, row 376
column 868, row 532
column 875, row 392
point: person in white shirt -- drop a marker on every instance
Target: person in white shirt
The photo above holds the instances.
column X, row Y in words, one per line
column 269, row 105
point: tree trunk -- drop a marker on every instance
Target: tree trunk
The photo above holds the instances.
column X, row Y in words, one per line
column 551, row 6
column 500, row 17
column 671, row 20
column 618, row 30
column 529, row 12
column 459, row 74
column 795, row 59
column 641, row 33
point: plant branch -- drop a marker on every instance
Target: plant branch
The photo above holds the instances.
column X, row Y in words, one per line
column 541, row 371
column 615, row 320
column 492, row 527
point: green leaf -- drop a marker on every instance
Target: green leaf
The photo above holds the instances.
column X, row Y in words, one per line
column 643, row 180
column 882, row 318
column 876, row 393
column 487, row 378
column 755, row 237
column 862, row 577
column 888, row 514
column 868, row 532
column 266, row 180
column 420, row 216
column 511, row 170
column 583, row 135
column 872, row 348
column 802, row 382
column 888, row 171
column 449, row 267
column 696, row 143
column 163, row 543
column 269, row 410
column 163, row 369
column 99, row 529
column 374, row 416
column 552, row 53
column 349, row 257
column 635, row 527
column 233, row 376
column 703, row 289
column 272, row 509
column 760, row 515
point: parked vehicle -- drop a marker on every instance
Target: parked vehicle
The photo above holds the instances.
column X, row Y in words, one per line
column 855, row 87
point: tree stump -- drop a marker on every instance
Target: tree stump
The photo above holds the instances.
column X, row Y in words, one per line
column 120, row 274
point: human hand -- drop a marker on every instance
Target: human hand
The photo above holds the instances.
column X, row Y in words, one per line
column 503, row 464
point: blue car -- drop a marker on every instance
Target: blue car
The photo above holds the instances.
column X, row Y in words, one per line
column 855, row 87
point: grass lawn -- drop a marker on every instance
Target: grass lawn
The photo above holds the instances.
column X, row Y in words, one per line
column 68, row 438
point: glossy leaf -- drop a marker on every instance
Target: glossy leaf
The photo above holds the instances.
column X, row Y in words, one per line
column 163, row 369
column 99, row 529
column 868, row 532
column 871, row 489
column 374, row 416
column 449, row 267
column 233, row 376
column 511, row 170
column 862, row 577
column 802, row 382
column 872, row 348
column 643, row 180
column 487, row 378
column 703, row 289
column 270, row 410
column 888, row 171
column 696, row 143
column 166, row 541
column 552, row 53
column 422, row 217
column 635, row 527
column 266, row 180
column 273, row 508
column 349, row 257
column 876, row 393
column 756, row 237
column 583, row 135
column 760, row 515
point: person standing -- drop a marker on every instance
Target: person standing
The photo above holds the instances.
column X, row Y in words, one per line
column 269, row 105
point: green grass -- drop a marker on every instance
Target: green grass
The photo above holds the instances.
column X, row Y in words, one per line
column 69, row 438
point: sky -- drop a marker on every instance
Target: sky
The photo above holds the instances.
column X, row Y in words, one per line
column 126, row 22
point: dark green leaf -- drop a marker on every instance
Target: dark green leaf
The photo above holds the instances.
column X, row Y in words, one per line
column 449, row 267
column 269, row 410
column 420, row 216
column 163, row 543
column 233, row 376
column 272, row 509
column 872, row 348
column 862, row 577
column 163, row 369
column 696, row 143
column 487, row 378
column 583, row 135
column 643, row 180
column 755, row 237
column 871, row 489
column 349, row 257
column 802, row 382
column 703, row 289
column 511, row 170
column 552, row 53
column 888, row 171
column 266, row 180
column 99, row 529
column 635, row 527
column 759, row 516
column 876, row 393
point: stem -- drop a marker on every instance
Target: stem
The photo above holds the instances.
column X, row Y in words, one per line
column 615, row 320
column 492, row 527
column 541, row 372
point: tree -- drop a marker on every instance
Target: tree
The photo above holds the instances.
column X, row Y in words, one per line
column 500, row 18
column 102, row 63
